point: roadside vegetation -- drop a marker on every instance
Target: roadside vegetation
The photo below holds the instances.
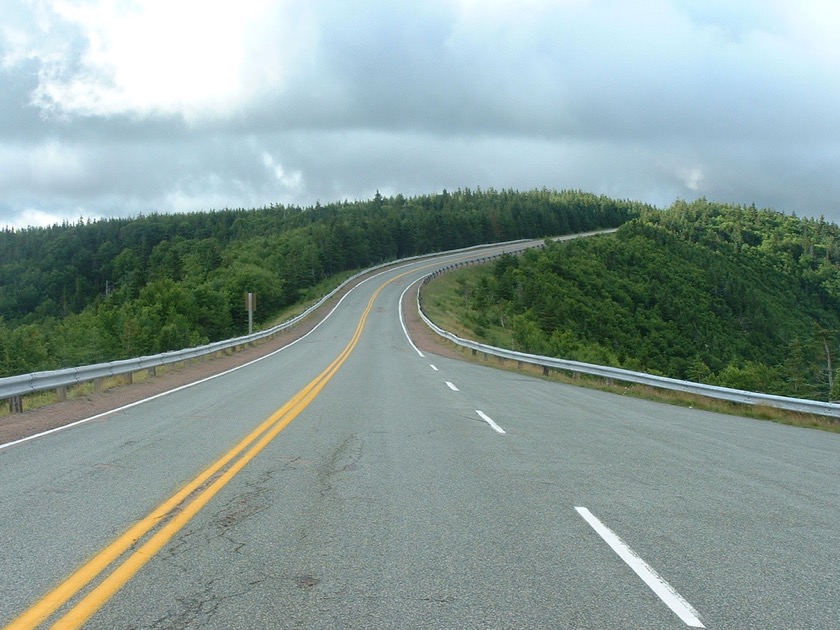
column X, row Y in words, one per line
column 711, row 293
column 90, row 292
column 443, row 299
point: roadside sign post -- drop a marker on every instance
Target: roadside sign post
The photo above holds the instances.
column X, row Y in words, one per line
column 250, row 306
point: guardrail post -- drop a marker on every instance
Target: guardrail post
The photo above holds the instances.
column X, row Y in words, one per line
column 97, row 385
column 61, row 393
column 16, row 404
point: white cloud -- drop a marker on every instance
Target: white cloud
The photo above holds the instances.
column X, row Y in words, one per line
column 191, row 58
column 692, row 178
column 206, row 192
column 292, row 182
column 48, row 165
column 16, row 46
column 31, row 217
column 813, row 32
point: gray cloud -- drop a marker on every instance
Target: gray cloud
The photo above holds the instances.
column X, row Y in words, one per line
column 334, row 100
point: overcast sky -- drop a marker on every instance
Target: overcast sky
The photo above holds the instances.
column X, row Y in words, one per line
column 120, row 107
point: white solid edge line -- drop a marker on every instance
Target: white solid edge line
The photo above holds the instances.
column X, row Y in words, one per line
column 663, row 590
column 489, row 421
column 402, row 319
column 451, row 386
column 182, row 387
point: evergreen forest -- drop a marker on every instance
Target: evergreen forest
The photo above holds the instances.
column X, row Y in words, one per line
column 95, row 291
column 714, row 293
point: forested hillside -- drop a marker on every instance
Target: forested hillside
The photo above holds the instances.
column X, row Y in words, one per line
column 95, row 291
column 726, row 295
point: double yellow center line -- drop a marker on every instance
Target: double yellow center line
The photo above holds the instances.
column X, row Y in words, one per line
column 172, row 515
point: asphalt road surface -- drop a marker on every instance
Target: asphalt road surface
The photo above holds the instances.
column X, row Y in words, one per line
column 353, row 481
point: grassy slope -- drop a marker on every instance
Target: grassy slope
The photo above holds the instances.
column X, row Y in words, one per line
column 445, row 304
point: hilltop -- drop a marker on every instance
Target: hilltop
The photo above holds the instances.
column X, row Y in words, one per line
column 714, row 293
column 89, row 292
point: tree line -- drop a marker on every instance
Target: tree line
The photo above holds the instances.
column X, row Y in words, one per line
column 95, row 291
column 714, row 293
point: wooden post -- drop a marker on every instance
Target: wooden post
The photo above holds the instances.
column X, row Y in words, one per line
column 16, row 404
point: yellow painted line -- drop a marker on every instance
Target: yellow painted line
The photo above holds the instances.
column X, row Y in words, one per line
column 204, row 487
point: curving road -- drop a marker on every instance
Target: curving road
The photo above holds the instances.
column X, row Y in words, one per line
column 352, row 481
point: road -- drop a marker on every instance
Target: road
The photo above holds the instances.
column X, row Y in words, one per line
column 353, row 481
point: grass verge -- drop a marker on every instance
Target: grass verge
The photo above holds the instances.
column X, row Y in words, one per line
column 445, row 304
column 43, row 399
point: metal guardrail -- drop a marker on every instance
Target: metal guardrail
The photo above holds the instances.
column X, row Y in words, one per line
column 14, row 387
column 700, row 389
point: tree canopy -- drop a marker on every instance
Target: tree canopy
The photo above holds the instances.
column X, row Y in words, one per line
column 722, row 294
column 96, row 291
